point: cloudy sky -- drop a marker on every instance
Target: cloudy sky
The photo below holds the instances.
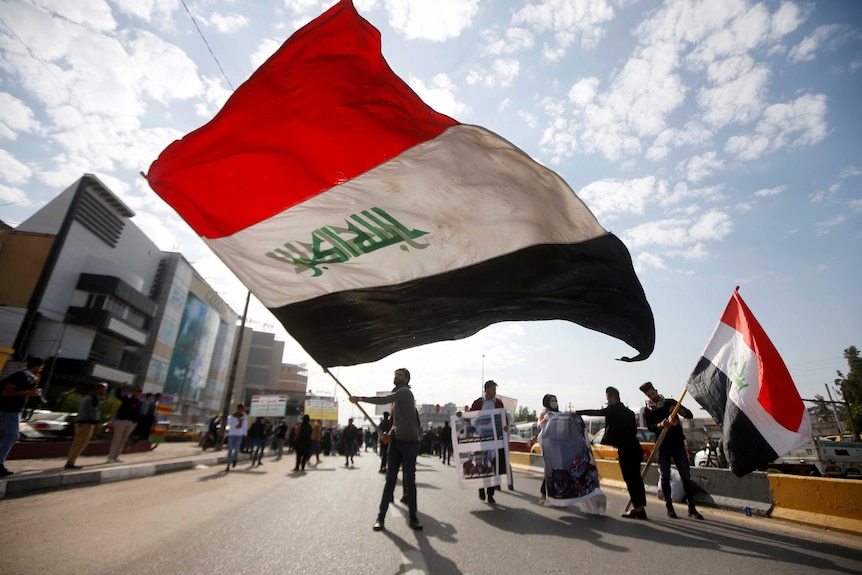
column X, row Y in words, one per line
column 719, row 140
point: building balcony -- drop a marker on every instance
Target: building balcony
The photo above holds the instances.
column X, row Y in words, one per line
column 92, row 369
column 106, row 321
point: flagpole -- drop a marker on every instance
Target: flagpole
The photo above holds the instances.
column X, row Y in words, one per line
column 658, row 443
column 341, row 385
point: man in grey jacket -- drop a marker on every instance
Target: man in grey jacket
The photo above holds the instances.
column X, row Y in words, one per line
column 404, row 447
column 85, row 425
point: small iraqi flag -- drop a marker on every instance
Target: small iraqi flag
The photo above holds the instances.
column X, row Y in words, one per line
column 369, row 223
column 742, row 382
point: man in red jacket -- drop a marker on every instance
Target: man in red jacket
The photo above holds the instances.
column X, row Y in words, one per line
column 490, row 401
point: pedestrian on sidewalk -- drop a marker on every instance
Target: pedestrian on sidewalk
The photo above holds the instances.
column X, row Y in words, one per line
column 86, row 424
column 348, row 437
column 126, row 420
column 14, row 392
column 446, row 443
column 238, row 424
column 149, row 406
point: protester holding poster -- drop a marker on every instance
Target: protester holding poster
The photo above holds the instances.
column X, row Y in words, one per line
column 490, row 401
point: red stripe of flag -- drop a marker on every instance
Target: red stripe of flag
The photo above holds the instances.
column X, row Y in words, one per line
column 778, row 395
column 322, row 110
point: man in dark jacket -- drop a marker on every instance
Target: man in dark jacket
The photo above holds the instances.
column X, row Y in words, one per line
column 126, row 420
column 14, row 392
column 657, row 416
column 86, row 424
column 621, row 432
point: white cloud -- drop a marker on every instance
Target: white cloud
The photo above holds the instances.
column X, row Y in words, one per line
column 850, row 171
column 437, row 21
column 568, row 20
column 646, row 260
column 149, row 10
column 616, row 196
column 763, row 192
column 502, row 73
column 855, row 205
column 583, row 91
column 699, row 167
column 806, row 50
column 265, row 49
column 94, row 14
column 227, row 23
column 714, row 225
column 745, row 207
column 11, row 170
column 9, row 195
column 735, row 100
column 440, row 95
column 824, row 227
column 801, row 122
column 15, row 116
column 164, row 72
column 514, row 40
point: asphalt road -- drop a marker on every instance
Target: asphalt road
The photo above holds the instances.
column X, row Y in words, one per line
column 270, row 520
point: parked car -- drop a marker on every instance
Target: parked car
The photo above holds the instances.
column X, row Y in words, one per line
column 518, row 443
column 53, row 423
column 27, row 433
column 182, row 432
column 645, row 437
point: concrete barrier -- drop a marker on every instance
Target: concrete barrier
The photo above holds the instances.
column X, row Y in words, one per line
column 824, row 502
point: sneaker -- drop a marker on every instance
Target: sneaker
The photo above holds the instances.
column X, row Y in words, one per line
column 70, row 466
column 415, row 525
column 378, row 525
column 543, row 501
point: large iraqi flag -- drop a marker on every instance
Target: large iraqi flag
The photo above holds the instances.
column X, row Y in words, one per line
column 742, row 382
column 369, row 223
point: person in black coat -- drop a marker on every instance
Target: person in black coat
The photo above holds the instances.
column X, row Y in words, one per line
column 302, row 435
column 657, row 416
column 621, row 431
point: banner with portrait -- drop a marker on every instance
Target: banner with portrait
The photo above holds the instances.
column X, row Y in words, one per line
column 481, row 448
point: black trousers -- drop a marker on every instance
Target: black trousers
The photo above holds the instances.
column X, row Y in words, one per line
column 630, row 465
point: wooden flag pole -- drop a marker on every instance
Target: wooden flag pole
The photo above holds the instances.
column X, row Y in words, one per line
column 658, row 443
column 347, row 391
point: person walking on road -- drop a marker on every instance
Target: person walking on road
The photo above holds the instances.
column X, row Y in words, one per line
column 303, row 443
column 85, row 425
column 316, row 434
column 278, row 436
column 14, row 392
column 403, row 448
column 257, row 434
column 490, row 401
column 657, row 416
column 550, row 406
column 349, row 436
column 446, row 443
column 126, row 420
column 621, row 432
column 238, row 424
column 384, row 427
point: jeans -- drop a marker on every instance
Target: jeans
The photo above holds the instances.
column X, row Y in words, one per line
column 677, row 454
column 234, row 442
column 8, row 433
column 402, row 454
column 278, row 447
column 258, row 445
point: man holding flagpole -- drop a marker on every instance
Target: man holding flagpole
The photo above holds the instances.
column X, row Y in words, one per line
column 657, row 416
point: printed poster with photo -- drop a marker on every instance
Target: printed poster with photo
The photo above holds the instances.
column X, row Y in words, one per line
column 481, row 448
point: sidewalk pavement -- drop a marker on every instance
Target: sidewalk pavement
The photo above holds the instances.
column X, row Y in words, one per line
column 33, row 476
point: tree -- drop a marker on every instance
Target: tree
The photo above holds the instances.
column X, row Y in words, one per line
column 524, row 414
column 820, row 411
column 850, row 387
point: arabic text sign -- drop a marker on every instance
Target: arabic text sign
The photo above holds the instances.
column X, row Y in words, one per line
column 268, row 406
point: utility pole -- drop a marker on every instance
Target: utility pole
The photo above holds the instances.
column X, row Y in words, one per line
column 228, row 392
